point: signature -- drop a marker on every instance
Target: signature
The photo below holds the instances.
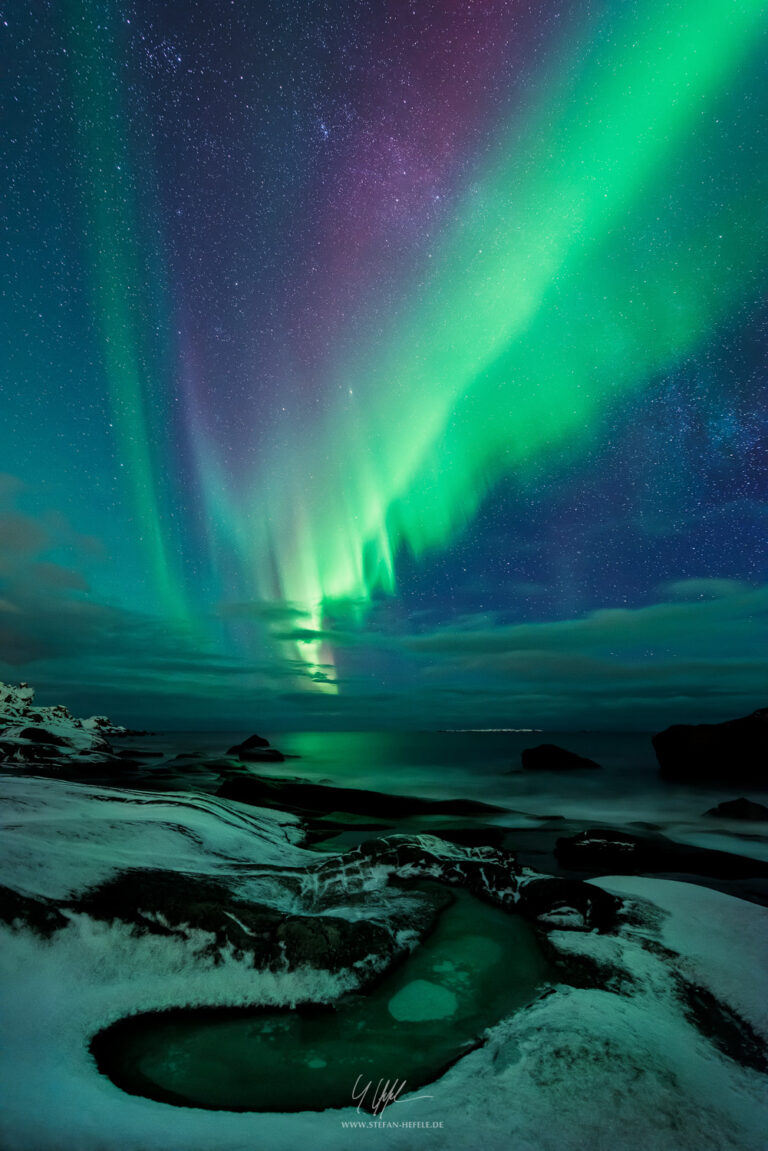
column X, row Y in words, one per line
column 377, row 1099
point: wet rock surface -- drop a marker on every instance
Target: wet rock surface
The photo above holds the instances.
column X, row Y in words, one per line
column 299, row 796
column 606, row 851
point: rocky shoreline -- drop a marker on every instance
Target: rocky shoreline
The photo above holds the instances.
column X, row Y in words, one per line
column 274, row 891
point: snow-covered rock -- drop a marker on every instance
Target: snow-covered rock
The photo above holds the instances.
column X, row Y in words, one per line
column 104, row 725
column 50, row 737
column 619, row 1059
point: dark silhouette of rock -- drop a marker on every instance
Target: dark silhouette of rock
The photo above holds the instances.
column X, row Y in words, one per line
column 298, row 796
column 550, row 757
column 167, row 903
column 50, row 737
column 40, row 735
column 40, row 914
column 603, row 850
column 249, row 744
column 721, row 752
column 568, row 903
column 739, row 809
column 261, row 755
column 140, row 753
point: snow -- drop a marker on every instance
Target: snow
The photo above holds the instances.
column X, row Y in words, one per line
column 722, row 941
column 604, row 1069
column 619, row 1067
column 72, row 741
column 59, row 837
column 103, row 724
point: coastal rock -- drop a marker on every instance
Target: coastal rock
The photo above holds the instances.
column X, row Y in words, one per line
column 261, row 755
column 719, row 752
column 50, row 737
column 167, row 903
column 251, row 744
column 105, row 726
column 742, row 808
column 299, row 796
column 490, row 873
column 550, row 757
column 604, row 850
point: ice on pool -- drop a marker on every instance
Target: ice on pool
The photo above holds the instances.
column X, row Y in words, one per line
column 421, row 1000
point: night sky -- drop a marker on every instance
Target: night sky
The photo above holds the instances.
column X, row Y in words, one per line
column 373, row 363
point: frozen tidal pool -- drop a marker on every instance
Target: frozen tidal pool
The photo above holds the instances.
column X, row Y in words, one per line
column 477, row 966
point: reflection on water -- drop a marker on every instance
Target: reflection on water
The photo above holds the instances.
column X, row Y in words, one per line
column 447, row 765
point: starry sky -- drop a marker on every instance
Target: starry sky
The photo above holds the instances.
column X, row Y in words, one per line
column 374, row 363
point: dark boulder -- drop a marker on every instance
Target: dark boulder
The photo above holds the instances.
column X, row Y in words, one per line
column 604, row 851
column 740, row 809
column 261, row 755
column 719, row 752
column 140, row 753
column 550, row 757
column 249, row 744
column 568, row 903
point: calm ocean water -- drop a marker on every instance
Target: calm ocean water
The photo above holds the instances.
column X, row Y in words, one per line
column 486, row 766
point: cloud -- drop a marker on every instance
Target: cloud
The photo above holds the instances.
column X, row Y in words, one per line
column 55, row 631
column 726, row 624
column 698, row 652
column 269, row 611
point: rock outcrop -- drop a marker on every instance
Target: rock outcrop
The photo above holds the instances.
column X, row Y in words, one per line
column 50, row 737
column 297, row 795
column 736, row 750
column 603, row 850
column 745, row 809
column 361, row 909
column 105, row 726
column 550, row 757
column 256, row 749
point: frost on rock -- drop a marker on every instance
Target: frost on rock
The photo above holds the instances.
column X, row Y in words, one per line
column 50, row 737
column 103, row 724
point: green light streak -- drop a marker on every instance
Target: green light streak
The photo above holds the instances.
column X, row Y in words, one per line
column 120, row 290
column 568, row 280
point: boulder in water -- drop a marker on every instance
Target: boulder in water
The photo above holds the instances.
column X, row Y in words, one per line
column 742, row 808
column 256, row 749
column 248, row 744
column 550, row 757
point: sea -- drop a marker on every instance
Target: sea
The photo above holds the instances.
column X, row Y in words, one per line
column 627, row 792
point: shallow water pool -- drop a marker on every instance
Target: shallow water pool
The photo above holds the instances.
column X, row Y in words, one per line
column 477, row 966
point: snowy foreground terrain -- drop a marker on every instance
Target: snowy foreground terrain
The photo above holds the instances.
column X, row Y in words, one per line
column 650, row 1036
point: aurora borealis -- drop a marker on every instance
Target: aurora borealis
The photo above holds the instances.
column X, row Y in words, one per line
column 396, row 363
